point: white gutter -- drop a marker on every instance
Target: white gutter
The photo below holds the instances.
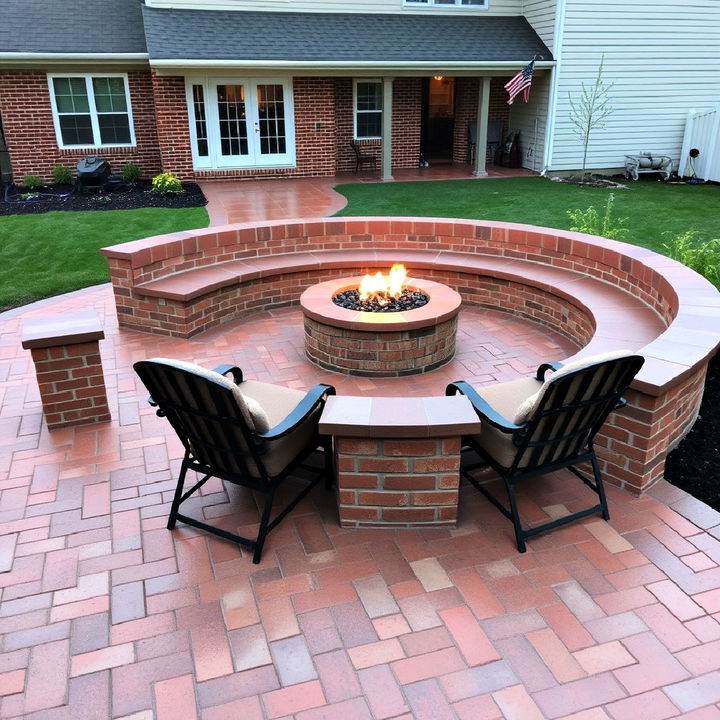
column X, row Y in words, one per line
column 348, row 64
column 74, row 57
column 554, row 81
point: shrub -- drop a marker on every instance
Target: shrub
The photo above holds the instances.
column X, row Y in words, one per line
column 166, row 183
column 130, row 172
column 62, row 175
column 702, row 257
column 33, row 181
column 606, row 225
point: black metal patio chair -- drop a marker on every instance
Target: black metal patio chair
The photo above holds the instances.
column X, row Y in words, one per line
column 362, row 158
column 246, row 432
column 536, row 425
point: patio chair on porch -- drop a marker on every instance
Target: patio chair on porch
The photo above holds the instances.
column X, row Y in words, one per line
column 245, row 432
column 362, row 158
column 545, row 423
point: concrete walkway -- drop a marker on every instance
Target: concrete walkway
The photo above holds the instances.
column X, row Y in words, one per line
column 234, row 201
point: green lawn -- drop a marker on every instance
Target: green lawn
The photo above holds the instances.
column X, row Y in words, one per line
column 53, row 253
column 45, row 255
column 651, row 208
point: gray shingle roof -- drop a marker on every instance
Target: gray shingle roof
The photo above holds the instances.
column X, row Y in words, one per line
column 218, row 35
column 71, row 26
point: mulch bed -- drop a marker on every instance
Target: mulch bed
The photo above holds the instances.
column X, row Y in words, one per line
column 694, row 464
column 65, row 197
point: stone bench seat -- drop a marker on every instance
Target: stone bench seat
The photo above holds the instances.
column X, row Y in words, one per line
column 619, row 318
column 603, row 294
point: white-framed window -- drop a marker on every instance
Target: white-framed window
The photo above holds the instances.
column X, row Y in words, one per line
column 367, row 102
column 447, row 3
column 91, row 110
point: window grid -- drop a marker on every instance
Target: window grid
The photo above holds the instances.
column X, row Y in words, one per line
column 232, row 119
column 368, row 110
column 271, row 118
column 91, row 110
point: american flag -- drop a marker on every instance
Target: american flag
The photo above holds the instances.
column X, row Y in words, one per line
column 521, row 82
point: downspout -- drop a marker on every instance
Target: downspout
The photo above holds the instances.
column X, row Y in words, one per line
column 554, row 81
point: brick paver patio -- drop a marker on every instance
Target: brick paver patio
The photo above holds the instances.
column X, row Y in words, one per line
column 106, row 614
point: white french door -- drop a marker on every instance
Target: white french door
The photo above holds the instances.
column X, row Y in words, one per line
column 241, row 123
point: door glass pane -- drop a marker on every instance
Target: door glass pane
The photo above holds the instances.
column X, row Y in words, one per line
column 232, row 120
column 271, row 115
column 200, row 120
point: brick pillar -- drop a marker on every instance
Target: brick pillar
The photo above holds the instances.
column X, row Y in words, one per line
column 398, row 459
column 398, row 482
column 65, row 350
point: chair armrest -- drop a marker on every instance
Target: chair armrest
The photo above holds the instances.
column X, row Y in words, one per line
column 315, row 396
column 225, row 369
column 482, row 407
column 542, row 369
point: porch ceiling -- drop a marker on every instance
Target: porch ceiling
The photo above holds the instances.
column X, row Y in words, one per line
column 339, row 40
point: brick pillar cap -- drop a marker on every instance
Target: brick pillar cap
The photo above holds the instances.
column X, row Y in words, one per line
column 399, row 417
column 68, row 329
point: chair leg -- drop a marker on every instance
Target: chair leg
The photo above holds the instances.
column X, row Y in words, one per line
column 175, row 507
column 600, row 487
column 263, row 529
column 519, row 533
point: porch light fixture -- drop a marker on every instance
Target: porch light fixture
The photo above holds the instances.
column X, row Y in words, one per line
column 438, row 77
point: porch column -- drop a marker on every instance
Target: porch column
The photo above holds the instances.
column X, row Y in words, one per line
column 482, row 127
column 387, row 129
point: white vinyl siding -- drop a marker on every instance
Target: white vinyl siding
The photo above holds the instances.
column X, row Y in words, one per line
column 494, row 7
column 541, row 15
column 661, row 56
column 530, row 121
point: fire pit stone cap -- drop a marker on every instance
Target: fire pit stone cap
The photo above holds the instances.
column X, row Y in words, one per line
column 317, row 304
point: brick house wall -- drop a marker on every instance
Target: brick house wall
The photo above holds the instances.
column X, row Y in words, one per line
column 407, row 101
column 30, row 134
column 323, row 126
column 314, row 103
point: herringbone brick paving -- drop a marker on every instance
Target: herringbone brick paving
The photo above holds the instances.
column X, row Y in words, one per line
column 106, row 614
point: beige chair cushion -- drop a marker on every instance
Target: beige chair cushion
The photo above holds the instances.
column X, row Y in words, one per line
column 526, row 410
column 278, row 402
column 505, row 398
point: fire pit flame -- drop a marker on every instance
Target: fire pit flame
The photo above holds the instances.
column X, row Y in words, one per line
column 381, row 287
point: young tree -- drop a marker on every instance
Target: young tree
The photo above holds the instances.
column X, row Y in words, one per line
column 590, row 110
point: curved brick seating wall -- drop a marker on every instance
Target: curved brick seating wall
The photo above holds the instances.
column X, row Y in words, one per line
column 601, row 293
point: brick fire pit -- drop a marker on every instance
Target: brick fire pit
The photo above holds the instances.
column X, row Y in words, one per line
column 380, row 344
